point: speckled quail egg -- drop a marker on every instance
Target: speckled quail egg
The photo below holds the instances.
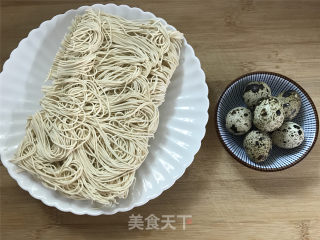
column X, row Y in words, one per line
column 268, row 114
column 291, row 103
column 254, row 91
column 257, row 145
column 239, row 120
column 289, row 135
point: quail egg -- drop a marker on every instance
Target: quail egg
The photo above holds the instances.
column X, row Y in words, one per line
column 257, row 145
column 254, row 91
column 291, row 103
column 239, row 120
column 289, row 135
column 268, row 114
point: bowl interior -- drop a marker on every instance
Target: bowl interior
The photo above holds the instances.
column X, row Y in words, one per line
column 279, row 158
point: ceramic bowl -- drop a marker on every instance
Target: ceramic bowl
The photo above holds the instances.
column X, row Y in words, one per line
column 183, row 115
column 279, row 158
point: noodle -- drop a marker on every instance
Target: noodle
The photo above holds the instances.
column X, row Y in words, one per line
column 108, row 80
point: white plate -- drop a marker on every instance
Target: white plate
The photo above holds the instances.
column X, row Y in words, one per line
column 183, row 116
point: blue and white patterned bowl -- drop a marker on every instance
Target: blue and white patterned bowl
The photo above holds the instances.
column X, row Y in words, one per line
column 279, row 159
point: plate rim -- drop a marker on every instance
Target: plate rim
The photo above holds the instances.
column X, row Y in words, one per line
column 175, row 177
column 239, row 159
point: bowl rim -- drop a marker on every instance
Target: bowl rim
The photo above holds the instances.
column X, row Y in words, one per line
column 239, row 159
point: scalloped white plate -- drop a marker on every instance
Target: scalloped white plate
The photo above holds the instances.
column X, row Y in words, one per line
column 183, row 116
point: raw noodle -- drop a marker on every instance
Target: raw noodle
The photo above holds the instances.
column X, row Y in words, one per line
column 108, row 80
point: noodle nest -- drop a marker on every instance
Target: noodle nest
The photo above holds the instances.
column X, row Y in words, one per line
column 108, row 80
